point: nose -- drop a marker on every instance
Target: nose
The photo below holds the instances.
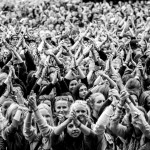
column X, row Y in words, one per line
column 74, row 128
column 80, row 113
column 61, row 110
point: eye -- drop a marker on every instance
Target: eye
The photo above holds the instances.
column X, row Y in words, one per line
column 47, row 116
column 99, row 101
column 64, row 107
column 77, row 111
column 70, row 125
column 58, row 107
column 83, row 111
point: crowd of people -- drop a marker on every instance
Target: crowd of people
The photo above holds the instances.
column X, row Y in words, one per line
column 75, row 76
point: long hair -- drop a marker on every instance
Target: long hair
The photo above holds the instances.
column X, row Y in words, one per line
column 76, row 91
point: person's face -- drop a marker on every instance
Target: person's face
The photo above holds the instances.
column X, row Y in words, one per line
column 148, row 102
column 81, row 111
column 62, row 107
column 82, row 91
column 72, row 85
column 46, row 115
column 6, row 52
column 72, row 130
column 14, row 41
column 99, row 100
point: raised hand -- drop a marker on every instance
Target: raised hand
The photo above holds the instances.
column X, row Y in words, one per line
column 19, row 97
column 32, row 101
column 123, row 97
column 114, row 93
column 44, row 72
column 13, row 72
column 73, row 117
column 61, row 118
column 54, row 80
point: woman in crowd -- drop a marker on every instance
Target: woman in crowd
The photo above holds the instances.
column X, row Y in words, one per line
column 74, row 75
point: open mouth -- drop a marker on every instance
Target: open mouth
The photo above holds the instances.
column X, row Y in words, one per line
column 75, row 134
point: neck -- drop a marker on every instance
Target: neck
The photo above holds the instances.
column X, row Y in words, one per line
column 95, row 114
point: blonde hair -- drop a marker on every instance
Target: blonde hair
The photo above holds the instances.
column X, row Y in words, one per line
column 80, row 103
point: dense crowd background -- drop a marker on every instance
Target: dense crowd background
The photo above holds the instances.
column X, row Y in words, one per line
column 75, row 76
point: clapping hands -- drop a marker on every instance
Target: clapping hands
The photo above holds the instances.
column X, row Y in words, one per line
column 32, row 101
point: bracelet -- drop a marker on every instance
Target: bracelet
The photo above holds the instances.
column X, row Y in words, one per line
column 79, row 125
column 36, row 110
column 30, row 111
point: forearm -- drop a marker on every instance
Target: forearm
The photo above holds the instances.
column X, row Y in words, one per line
column 89, row 76
column 57, row 60
column 85, row 130
column 77, row 53
column 79, row 60
column 59, row 53
column 76, row 44
column 59, row 129
column 41, row 46
column 82, row 75
column 18, row 56
column 94, row 89
column 68, row 76
column 103, row 120
column 45, row 129
column 112, row 83
column 97, row 81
